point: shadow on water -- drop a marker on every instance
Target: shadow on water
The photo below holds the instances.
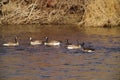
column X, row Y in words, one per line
column 26, row 62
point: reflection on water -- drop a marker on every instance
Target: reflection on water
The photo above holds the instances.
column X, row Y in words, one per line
column 27, row 62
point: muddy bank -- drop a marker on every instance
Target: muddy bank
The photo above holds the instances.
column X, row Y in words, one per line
column 79, row 12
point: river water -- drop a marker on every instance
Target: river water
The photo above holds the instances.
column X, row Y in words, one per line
column 26, row 62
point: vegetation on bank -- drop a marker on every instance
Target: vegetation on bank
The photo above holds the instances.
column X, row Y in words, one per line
column 80, row 12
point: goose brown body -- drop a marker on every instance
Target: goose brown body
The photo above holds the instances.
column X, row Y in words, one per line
column 52, row 42
column 35, row 42
column 72, row 46
column 16, row 43
column 87, row 49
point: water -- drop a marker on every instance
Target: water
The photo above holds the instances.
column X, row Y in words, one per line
column 27, row 62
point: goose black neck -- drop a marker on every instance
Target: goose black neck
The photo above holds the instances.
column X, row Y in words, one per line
column 83, row 44
column 16, row 39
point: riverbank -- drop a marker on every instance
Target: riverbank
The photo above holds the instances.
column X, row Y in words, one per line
column 79, row 12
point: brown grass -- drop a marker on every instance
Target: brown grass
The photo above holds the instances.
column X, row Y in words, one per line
column 81, row 12
column 102, row 13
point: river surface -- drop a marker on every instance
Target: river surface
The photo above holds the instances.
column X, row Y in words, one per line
column 26, row 62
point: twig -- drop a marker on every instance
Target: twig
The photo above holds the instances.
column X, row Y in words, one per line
column 32, row 9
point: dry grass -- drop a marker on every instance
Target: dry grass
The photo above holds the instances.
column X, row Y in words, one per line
column 102, row 13
column 81, row 12
column 37, row 11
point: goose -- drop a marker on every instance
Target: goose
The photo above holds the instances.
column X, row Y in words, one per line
column 87, row 49
column 16, row 43
column 72, row 46
column 51, row 43
column 35, row 42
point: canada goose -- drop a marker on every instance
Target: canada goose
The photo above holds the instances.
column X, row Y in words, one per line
column 72, row 46
column 51, row 43
column 86, row 49
column 35, row 42
column 16, row 43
